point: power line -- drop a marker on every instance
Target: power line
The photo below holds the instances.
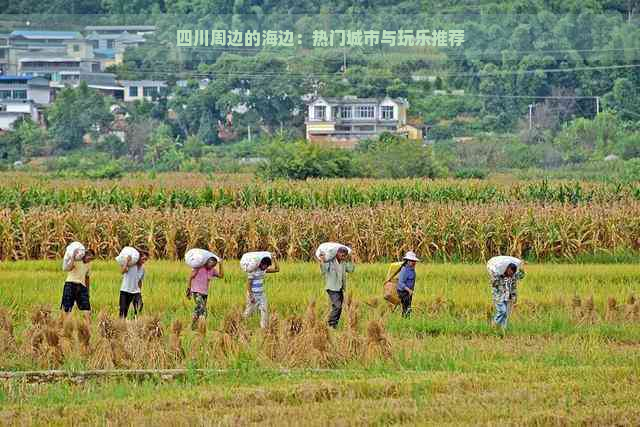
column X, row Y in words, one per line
column 254, row 74
column 361, row 49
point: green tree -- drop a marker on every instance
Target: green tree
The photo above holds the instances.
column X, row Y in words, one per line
column 623, row 100
column 76, row 112
column 162, row 152
column 30, row 138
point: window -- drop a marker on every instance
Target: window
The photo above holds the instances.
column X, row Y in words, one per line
column 2, row 53
column 345, row 112
column 133, row 91
column 20, row 94
column 95, row 44
column 110, row 44
column 320, row 112
column 149, row 91
column 365, row 128
column 76, row 48
column 5, row 94
column 387, row 112
column 364, row 112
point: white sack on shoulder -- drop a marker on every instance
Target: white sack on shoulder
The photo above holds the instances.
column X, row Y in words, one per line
column 251, row 260
column 496, row 266
column 329, row 250
column 68, row 259
column 196, row 258
column 128, row 251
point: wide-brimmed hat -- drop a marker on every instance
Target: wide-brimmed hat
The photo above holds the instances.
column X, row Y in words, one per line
column 411, row 256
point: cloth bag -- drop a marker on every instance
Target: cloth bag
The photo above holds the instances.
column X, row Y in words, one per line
column 251, row 260
column 329, row 250
column 196, row 258
column 128, row 251
column 497, row 265
column 390, row 288
column 68, row 260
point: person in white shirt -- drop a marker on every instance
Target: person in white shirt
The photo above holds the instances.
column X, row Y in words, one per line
column 256, row 298
column 131, row 289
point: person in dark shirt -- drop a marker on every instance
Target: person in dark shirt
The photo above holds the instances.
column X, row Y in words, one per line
column 407, row 282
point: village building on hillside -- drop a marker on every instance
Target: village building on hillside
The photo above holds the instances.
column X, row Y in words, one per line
column 4, row 53
column 346, row 121
column 21, row 88
column 12, row 110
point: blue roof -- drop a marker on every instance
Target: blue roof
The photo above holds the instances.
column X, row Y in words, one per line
column 5, row 77
column 46, row 34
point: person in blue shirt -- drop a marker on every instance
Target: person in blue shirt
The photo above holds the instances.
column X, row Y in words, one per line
column 407, row 282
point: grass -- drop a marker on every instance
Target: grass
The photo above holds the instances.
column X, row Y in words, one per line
column 558, row 363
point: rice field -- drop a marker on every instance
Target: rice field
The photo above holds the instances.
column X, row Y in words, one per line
column 569, row 356
column 573, row 339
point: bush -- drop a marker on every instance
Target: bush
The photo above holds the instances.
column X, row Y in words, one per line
column 629, row 146
column 302, row 160
column 471, row 173
column 631, row 171
column 113, row 145
column 84, row 164
column 395, row 157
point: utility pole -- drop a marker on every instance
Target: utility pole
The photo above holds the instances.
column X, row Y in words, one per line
column 344, row 62
column 249, row 132
column 530, row 116
column 597, row 105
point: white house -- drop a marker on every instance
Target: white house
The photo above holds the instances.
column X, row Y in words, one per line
column 349, row 119
column 136, row 90
column 10, row 111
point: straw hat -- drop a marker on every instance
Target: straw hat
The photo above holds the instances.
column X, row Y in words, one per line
column 411, row 256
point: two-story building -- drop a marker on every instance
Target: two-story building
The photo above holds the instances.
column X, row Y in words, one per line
column 137, row 90
column 346, row 121
column 20, row 88
column 110, row 42
column 44, row 53
column 105, row 83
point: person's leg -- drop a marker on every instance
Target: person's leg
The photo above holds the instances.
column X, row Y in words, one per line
column 406, row 305
column 264, row 312
column 336, row 299
column 84, row 301
column 125, row 301
column 137, row 304
column 199, row 309
column 507, row 313
column 405, row 301
column 501, row 314
column 68, row 299
column 250, row 307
